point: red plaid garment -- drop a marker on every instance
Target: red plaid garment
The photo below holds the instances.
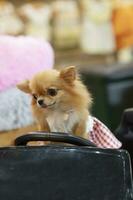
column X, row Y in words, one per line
column 100, row 135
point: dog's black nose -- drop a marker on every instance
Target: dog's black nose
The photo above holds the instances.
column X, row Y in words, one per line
column 40, row 102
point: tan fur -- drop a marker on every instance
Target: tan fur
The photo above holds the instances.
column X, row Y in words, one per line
column 65, row 112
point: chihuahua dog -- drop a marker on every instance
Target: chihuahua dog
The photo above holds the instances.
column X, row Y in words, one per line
column 60, row 101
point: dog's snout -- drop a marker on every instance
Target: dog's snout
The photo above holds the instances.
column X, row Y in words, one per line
column 40, row 102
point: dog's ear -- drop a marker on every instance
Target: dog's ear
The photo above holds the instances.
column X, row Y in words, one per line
column 24, row 86
column 68, row 74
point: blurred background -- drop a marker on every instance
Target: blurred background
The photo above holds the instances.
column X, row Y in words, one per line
column 94, row 35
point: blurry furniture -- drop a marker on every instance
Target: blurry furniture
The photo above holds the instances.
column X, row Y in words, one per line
column 78, row 58
column 125, row 131
column 112, row 90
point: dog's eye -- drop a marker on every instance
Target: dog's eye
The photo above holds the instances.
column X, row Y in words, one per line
column 52, row 92
column 34, row 96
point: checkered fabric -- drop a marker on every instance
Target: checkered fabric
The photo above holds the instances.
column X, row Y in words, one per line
column 100, row 135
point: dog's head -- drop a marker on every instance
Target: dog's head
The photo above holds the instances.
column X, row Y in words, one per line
column 54, row 89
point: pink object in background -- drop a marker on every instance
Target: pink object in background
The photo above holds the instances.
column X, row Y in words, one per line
column 21, row 57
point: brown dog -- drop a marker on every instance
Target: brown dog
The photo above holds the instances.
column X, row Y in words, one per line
column 60, row 101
